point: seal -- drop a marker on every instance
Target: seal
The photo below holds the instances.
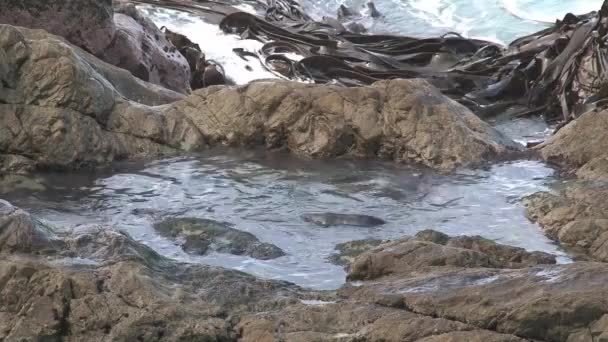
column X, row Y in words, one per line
column 345, row 12
column 374, row 13
column 332, row 219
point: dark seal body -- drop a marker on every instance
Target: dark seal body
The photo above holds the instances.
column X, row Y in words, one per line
column 332, row 219
column 374, row 13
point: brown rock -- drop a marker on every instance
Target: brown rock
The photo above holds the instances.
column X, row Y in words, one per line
column 404, row 120
column 62, row 107
column 140, row 47
column 410, row 255
column 576, row 217
column 85, row 23
column 581, row 146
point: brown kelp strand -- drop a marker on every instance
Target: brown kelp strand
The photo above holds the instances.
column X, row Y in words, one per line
column 559, row 71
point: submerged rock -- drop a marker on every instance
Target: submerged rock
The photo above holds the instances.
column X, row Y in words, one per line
column 202, row 236
column 348, row 251
column 333, row 219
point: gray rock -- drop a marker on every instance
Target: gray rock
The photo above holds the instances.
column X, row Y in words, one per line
column 202, row 236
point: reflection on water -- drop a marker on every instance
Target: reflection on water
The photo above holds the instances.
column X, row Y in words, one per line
column 265, row 194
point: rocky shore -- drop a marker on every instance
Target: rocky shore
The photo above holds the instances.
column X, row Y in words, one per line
column 108, row 85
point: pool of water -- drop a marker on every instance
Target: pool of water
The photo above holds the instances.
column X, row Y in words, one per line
column 266, row 192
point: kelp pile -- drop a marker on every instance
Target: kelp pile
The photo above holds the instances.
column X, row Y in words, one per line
column 559, row 72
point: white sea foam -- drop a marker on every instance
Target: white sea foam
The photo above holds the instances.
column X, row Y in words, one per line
column 216, row 44
column 546, row 12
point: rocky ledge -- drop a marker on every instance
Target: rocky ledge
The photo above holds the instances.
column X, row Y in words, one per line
column 575, row 213
column 61, row 107
column 96, row 283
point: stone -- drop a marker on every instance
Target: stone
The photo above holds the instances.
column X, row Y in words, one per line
column 86, row 23
column 202, row 236
column 128, row 292
column 412, row 254
column 141, row 48
column 348, row 251
column 408, row 121
column 576, row 216
column 61, row 107
column 580, row 148
column 122, row 36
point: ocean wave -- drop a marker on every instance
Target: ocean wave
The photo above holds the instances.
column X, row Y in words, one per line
column 548, row 11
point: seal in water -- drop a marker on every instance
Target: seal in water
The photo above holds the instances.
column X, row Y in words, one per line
column 374, row 13
column 331, row 219
column 345, row 12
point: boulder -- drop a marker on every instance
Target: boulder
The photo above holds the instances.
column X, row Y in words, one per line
column 576, row 216
column 88, row 24
column 348, row 251
column 140, row 47
column 61, row 107
column 404, row 120
column 580, row 147
column 126, row 39
column 95, row 283
column 202, row 236
column 523, row 296
column 433, row 249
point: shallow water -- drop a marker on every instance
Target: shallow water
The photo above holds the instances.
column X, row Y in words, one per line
column 265, row 193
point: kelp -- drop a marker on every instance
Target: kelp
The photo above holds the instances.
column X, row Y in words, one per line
column 559, row 72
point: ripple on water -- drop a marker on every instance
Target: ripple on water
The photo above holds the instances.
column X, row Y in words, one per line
column 265, row 194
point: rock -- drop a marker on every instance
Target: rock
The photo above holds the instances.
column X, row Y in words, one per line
column 404, row 120
column 580, row 147
column 577, row 217
column 509, row 297
column 82, row 112
column 86, row 23
column 131, row 293
column 348, row 251
column 61, row 107
column 125, row 39
column 351, row 322
column 412, row 254
column 202, row 236
column 15, row 164
column 20, row 233
column 128, row 295
column 333, row 219
column 140, row 47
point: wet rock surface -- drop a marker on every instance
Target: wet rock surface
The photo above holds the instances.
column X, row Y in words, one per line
column 432, row 249
column 347, row 252
column 125, row 291
column 201, row 236
column 581, row 147
column 140, row 47
column 403, row 120
column 63, row 108
column 576, row 217
column 120, row 36
column 86, row 23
